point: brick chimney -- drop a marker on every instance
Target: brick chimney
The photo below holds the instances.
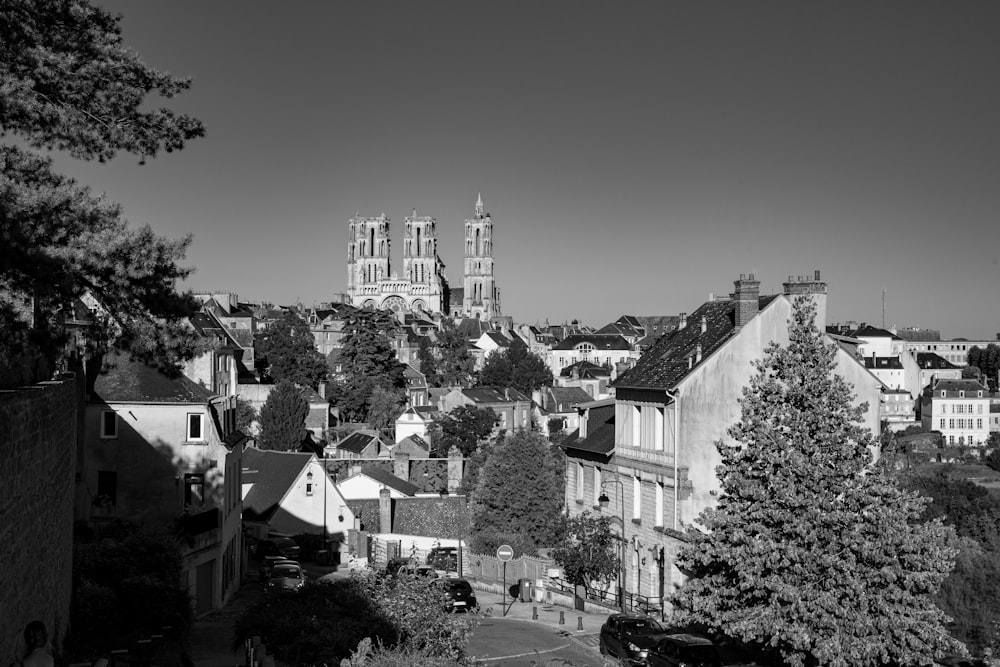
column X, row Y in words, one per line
column 684, row 321
column 746, row 297
column 455, row 464
column 812, row 287
column 401, row 465
column 384, row 511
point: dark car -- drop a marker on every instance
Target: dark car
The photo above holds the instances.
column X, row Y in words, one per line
column 443, row 558
column 459, row 593
column 629, row 637
column 286, row 576
column 685, row 650
column 268, row 564
column 277, row 546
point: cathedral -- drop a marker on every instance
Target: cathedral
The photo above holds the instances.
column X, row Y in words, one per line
column 423, row 285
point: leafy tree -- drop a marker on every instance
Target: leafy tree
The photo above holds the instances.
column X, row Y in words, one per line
column 428, row 362
column 246, row 415
column 465, row 427
column 588, row 550
column 287, row 351
column 813, row 553
column 515, row 367
column 518, row 497
column 987, row 359
column 384, row 406
column 367, row 360
column 992, row 459
column 283, row 417
column 68, row 83
column 971, row 372
column 455, row 365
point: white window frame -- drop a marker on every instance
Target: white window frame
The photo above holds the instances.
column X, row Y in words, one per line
column 597, row 486
column 636, row 499
column 105, row 435
column 659, row 504
column 636, row 426
column 579, row 481
column 201, row 427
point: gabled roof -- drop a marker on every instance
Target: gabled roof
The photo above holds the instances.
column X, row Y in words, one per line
column 861, row 331
column 600, row 432
column 390, row 480
column 876, row 363
column 666, row 363
column 952, row 387
column 127, row 381
column 272, row 474
column 600, row 341
column 206, row 324
column 562, row 399
column 472, row 329
column 934, row 361
column 494, row 395
column 358, row 441
column 498, row 339
column 413, row 442
column 586, row 369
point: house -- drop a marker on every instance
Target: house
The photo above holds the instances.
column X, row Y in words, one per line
column 558, row 404
column 217, row 367
column 363, row 444
column 416, row 420
column 931, row 367
column 156, row 451
column 513, row 407
column 290, row 493
column 416, row 386
column 589, row 451
column 959, row 409
column 238, row 319
column 670, row 411
column 604, row 349
column 590, row 377
column 366, row 484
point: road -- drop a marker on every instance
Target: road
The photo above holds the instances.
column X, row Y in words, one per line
column 516, row 643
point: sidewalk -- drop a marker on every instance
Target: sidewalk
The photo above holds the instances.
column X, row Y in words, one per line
column 572, row 622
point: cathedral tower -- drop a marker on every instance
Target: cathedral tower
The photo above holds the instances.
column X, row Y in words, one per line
column 481, row 299
column 420, row 248
column 367, row 253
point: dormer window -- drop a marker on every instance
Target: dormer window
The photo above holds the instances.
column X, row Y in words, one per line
column 942, row 393
column 961, row 394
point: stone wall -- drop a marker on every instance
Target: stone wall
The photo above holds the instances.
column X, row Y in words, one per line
column 39, row 427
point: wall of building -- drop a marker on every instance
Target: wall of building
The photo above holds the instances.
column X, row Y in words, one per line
column 39, row 427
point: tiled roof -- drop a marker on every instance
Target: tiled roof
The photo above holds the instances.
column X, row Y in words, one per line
column 600, row 433
column 494, row 395
column 657, row 325
column 666, row 363
column 272, row 474
column 586, row 369
column 414, row 441
column 498, row 339
column 883, row 362
column 598, row 340
column 471, row 328
column 127, row 381
column 390, row 480
column 357, row 441
column 861, row 331
column 934, row 361
column 952, row 387
column 563, row 398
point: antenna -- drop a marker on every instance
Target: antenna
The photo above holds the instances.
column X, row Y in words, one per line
column 883, row 308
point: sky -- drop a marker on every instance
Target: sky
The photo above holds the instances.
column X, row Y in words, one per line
column 635, row 156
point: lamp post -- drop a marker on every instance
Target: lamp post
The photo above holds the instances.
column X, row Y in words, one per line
column 604, row 501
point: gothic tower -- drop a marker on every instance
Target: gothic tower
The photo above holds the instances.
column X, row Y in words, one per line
column 481, row 299
column 419, row 248
column 367, row 252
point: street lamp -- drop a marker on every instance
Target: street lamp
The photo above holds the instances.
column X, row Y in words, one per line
column 604, row 501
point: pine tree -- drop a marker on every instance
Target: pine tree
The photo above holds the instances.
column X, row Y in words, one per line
column 283, row 418
column 67, row 82
column 428, row 362
column 288, row 352
column 519, row 496
column 813, row 552
column 367, row 360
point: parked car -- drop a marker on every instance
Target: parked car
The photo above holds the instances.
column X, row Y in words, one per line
column 443, row 559
column 277, row 546
column 460, row 595
column 684, row 650
column 268, row 564
column 629, row 637
column 393, row 565
column 286, row 577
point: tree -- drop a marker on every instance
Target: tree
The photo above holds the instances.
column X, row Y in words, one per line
column 516, row 367
column 428, row 362
column 68, row 83
column 518, row 497
column 588, row 551
column 987, row 359
column 384, row 406
column 971, row 372
column 455, row 366
column 813, row 553
column 246, row 415
column 367, row 360
column 288, row 352
column 283, row 417
column 465, row 427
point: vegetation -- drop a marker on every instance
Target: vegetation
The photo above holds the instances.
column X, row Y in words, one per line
column 518, row 496
column 987, row 360
column 126, row 586
column 588, row 551
column 516, row 367
column 465, row 427
column 455, row 367
column 287, row 351
column 246, row 415
column 68, row 83
column 814, row 555
column 283, row 418
column 367, row 361
column 384, row 406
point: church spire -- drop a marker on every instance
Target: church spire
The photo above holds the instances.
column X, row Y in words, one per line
column 479, row 205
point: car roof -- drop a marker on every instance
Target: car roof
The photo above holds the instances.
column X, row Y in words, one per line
column 282, row 567
column 689, row 639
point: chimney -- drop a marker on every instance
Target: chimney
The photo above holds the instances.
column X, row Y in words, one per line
column 814, row 288
column 697, row 353
column 322, row 390
column 684, row 322
column 384, row 511
column 746, row 297
column 401, row 466
column 536, row 396
column 704, row 324
column 455, row 464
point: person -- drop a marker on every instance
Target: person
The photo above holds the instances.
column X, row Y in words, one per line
column 36, row 642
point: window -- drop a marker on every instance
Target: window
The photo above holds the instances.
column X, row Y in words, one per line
column 636, row 498
column 579, row 481
column 951, row 423
column 658, row 429
column 979, row 423
column 941, row 425
column 109, row 424
column 659, row 503
column 194, row 427
column 597, row 485
column 194, row 489
column 107, row 487
column 309, row 483
column 636, row 425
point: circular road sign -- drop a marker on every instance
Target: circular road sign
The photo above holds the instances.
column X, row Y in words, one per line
column 505, row 552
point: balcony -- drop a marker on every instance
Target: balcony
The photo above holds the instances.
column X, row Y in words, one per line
column 652, row 457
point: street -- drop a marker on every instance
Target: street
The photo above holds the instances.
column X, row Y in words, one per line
column 519, row 643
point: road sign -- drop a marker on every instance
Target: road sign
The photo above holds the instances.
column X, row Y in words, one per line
column 505, row 552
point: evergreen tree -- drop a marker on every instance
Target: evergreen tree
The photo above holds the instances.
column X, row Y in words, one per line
column 455, row 365
column 367, row 360
column 465, row 427
column 519, row 496
column 283, row 418
column 384, row 406
column 68, row 83
column 813, row 552
column 288, row 352
column 515, row 367
column 428, row 362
